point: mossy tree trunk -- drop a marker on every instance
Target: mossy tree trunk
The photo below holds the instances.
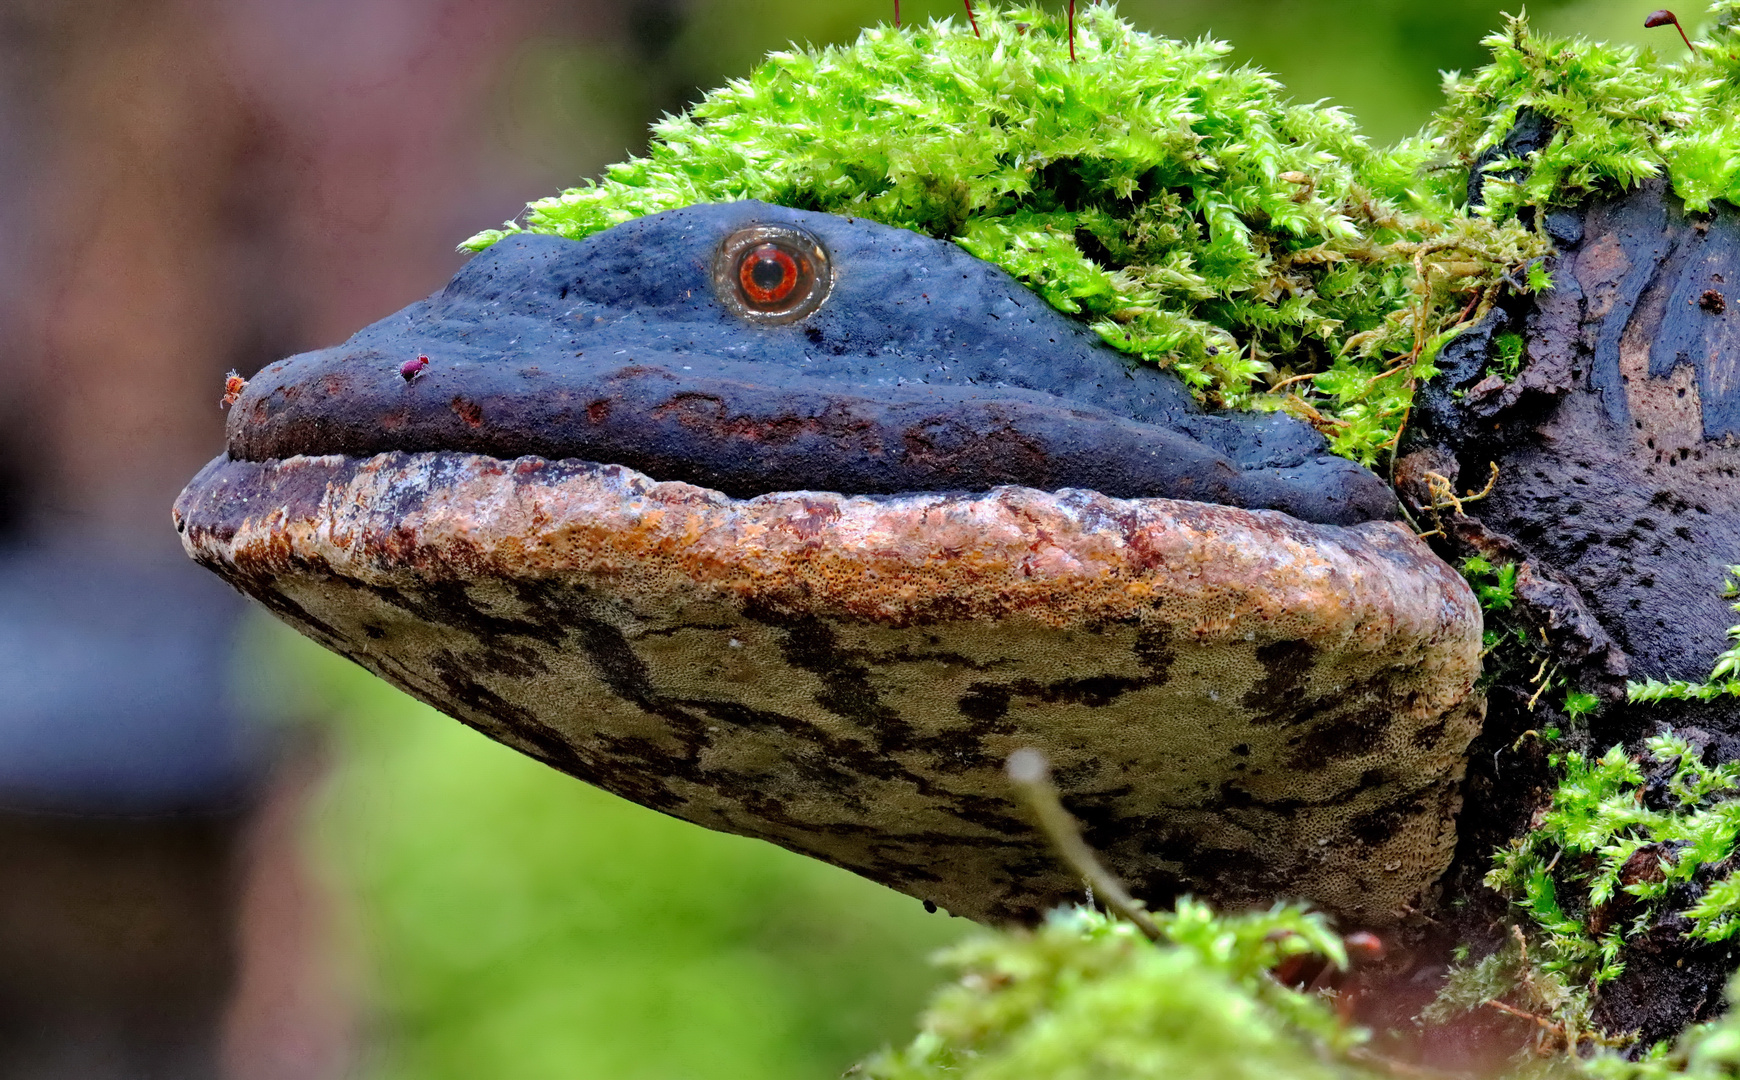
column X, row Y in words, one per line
column 1617, row 495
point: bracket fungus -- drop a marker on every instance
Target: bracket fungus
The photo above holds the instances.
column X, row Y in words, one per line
column 796, row 526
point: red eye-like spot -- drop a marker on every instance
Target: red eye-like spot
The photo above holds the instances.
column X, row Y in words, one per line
column 771, row 274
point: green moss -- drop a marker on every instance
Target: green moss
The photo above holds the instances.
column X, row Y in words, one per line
column 1182, row 206
column 1603, row 861
column 1625, row 841
column 1512, row 648
column 1507, row 359
column 1087, row 996
column 1494, row 586
column 1186, row 208
column 1578, row 704
column 1619, row 116
column 1513, row 976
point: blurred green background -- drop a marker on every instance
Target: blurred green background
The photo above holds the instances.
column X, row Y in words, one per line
column 504, row 921
column 517, row 923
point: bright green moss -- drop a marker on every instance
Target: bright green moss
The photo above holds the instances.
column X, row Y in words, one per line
column 1619, row 116
column 1183, row 207
column 1087, row 996
column 1602, row 862
column 1494, row 586
column 1507, row 360
column 1624, row 841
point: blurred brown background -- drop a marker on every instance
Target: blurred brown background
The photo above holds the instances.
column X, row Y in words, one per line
column 186, row 187
column 189, row 186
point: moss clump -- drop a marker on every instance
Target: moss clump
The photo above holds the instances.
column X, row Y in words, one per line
column 1513, row 978
column 1087, row 996
column 1622, row 840
column 1513, row 648
column 1617, row 114
column 1185, row 208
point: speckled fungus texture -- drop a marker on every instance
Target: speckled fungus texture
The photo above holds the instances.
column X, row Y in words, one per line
column 1235, row 702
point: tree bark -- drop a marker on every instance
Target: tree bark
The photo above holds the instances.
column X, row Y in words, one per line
column 1617, row 491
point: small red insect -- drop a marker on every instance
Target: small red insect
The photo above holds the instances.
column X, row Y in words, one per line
column 234, row 384
column 410, row 369
column 1663, row 18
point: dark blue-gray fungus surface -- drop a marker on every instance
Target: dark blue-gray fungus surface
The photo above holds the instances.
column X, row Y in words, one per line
column 898, row 363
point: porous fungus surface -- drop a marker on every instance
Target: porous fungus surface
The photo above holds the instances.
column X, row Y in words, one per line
column 1236, row 702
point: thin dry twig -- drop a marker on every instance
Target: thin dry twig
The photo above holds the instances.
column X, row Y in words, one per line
column 1544, row 678
column 1523, row 1014
column 1290, row 380
column 1444, row 496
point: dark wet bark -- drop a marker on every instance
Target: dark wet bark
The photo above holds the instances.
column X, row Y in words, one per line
column 1618, row 492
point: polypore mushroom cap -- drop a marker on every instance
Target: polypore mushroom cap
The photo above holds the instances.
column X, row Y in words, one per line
column 922, row 369
column 1235, row 702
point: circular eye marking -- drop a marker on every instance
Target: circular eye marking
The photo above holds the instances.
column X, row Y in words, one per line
column 768, row 275
column 772, row 274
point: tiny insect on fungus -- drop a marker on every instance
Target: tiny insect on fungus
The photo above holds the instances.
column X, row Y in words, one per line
column 410, row 369
column 234, row 384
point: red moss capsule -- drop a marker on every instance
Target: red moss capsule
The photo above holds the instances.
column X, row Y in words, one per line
column 1664, row 17
column 410, row 369
column 234, row 384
